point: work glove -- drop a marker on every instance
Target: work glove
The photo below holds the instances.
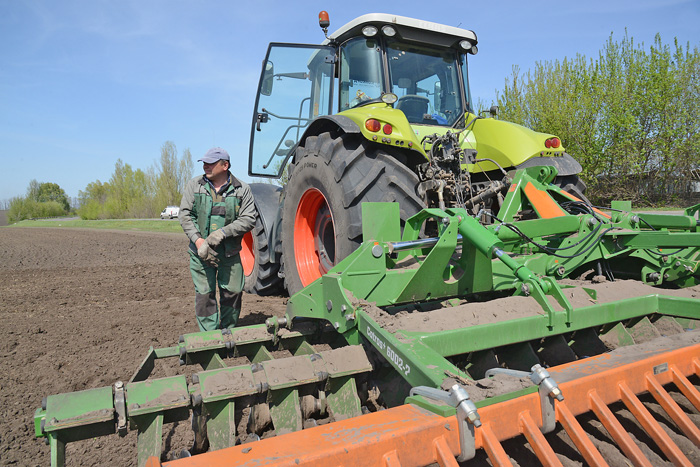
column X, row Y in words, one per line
column 208, row 254
column 215, row 238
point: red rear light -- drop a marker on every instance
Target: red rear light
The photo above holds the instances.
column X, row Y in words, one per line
column 552, row 143
column 373, row 125
column 387, row 129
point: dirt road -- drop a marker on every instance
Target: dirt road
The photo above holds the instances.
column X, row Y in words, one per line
column 79, row 310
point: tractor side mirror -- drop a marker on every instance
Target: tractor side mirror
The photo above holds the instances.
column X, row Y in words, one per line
column 268, row 78
column 493, row 112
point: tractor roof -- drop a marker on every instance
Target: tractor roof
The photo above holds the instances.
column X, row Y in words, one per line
column 410, row 29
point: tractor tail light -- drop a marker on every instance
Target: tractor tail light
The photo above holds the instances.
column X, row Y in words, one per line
column 373, row 125
column 387, row 129
column 552, row 143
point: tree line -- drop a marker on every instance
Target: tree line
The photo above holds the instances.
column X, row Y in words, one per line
column 129, row 193
column 133, row 193
column 631, row 117
column 42, row 200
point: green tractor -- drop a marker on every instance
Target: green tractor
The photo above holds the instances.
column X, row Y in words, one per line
column 381, row 111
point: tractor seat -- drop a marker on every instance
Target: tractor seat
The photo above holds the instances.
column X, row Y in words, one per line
column 414, row 107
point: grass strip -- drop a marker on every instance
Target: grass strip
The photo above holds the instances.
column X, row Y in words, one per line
column 150, row 225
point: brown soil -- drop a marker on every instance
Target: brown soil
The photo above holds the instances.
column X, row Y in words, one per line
column 510, row 308
column 80, row 309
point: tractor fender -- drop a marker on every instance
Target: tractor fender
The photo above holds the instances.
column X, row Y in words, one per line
column 267, row 203
column 333, row 124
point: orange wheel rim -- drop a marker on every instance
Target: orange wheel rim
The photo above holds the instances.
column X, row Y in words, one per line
column 247, row 254
column 312, row 235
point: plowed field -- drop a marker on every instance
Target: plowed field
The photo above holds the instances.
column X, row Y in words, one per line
column 79, row 310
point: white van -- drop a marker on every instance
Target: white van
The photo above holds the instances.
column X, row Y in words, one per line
column 170, row 212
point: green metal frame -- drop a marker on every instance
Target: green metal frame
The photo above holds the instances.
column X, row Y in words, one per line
column 493, row 259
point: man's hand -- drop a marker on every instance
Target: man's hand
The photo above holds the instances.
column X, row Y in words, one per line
column 215, row 238
column 207, row 254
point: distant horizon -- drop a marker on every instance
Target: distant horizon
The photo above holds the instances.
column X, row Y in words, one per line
column 86, row 83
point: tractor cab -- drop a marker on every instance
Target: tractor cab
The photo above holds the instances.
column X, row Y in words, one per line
column 423, row 64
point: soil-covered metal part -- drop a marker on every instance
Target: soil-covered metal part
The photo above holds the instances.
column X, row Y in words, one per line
column 651, row 433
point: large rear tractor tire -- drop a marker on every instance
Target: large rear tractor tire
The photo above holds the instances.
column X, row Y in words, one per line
column 261, row 273
column 321, row 216
column 573, row 185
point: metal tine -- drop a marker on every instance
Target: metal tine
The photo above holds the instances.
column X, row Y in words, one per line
column 616, row 430
column 443, row 453
column 391, row 459
column 493, row 447
column 685, row 386
column 673, row 409
column 534, row 436
column 651, row 426
column 578, row 436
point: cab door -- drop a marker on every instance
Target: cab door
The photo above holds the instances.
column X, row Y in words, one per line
column 296, row 86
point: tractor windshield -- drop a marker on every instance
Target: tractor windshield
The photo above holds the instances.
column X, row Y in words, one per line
column 427, row 82
column 426, row 78
column 361, row 76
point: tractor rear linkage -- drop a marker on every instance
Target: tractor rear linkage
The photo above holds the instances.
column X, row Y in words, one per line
column 542, row 235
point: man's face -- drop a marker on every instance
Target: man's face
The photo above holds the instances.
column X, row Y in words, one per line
column 215, row 169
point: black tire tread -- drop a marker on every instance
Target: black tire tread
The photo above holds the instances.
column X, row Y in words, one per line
column 264, row 280
column 364, row 173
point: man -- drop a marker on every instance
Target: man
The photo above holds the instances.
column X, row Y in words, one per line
column 216, row 210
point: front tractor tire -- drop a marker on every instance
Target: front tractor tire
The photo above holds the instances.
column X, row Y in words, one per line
column 321, row 218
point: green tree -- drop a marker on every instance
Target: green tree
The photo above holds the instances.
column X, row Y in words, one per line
column 53, row 192
column 45, row 192
column 630, row 116
column 96, row 191
column 42, row 200
column 128, row 194
column 137, row 193
column 172, row 174
column 33, row 190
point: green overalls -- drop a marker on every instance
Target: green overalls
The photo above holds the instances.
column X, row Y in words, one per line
column 213, row 211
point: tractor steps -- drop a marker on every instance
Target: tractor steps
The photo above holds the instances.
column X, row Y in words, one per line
column 636, row 406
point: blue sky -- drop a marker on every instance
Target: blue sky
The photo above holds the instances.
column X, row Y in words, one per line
column 86, row 82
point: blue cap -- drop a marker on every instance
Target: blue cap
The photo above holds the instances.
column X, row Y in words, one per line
column 215, row 155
